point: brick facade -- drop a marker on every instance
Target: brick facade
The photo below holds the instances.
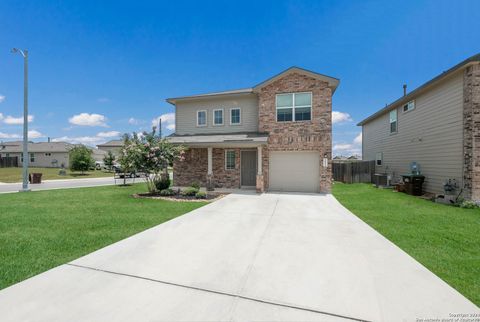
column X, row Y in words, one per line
column 314, row 135
column 471, row 119
column 195, row 167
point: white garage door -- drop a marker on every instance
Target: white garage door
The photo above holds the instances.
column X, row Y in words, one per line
column 294, row 171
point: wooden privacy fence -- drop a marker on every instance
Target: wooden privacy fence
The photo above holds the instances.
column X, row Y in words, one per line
column 8, row 162
column 354, row 172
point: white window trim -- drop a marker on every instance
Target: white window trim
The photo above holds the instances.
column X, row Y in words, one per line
column 390, row 122
column 206, row 118
column 293, row 106
column 379, row 159
column 223, row 117
column 240, row 121
column 408, row 104
column 235, row 162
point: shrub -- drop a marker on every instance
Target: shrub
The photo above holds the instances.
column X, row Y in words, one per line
column 468, row 204
column 167, row 192
column 195, row 185
column 201, row 195
column 163, row 183
column 190, row 191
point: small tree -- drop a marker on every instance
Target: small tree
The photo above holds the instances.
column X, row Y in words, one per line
column 152, row 155
column 108, row 160
column 129, row 153
column 80, row 158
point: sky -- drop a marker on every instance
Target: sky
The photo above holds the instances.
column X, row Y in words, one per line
column 98, row 69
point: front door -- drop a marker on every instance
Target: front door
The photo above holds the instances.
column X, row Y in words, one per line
column 249, row 168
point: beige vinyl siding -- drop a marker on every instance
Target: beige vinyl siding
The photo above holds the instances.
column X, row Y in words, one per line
column 42, row 160
column 186, row 114
column 431, row 135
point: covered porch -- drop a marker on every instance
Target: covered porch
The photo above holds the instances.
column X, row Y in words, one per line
column 233, row 161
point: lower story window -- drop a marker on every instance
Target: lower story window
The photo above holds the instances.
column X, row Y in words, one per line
column 379, row 159
column 230, row 160
column 32, row 157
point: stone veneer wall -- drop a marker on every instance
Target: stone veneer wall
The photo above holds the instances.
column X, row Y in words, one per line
column 471, row 119
column 297, row 136
column 195, row 166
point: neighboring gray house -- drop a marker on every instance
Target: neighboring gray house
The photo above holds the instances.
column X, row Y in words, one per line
column 437, row 125
column 113, row 146
column 42, row 154
column 273, row 136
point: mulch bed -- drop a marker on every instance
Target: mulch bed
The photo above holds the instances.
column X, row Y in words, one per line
column 211, row 196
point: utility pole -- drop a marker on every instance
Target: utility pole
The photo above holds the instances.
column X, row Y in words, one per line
column 24, row 53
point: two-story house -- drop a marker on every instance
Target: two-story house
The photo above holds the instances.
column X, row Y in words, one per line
column 273, row 136
column 437, row 126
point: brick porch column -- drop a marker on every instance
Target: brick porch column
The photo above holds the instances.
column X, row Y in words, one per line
column 260, row 184
column 210, row 183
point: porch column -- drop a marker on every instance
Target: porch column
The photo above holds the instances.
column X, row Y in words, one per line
column 260, row 184
column 210, row 184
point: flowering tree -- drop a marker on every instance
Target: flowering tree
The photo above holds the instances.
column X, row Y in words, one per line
column 128, row 158
column 153, row 155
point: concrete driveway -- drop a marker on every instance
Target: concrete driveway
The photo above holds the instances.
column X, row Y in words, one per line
column 246, row 257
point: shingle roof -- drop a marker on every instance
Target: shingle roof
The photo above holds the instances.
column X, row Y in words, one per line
column 410, row 96
column 250, row 137
column 39, row 147
column 331, row 80
column 112, row 143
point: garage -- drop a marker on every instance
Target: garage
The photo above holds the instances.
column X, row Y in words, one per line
column 294, row 171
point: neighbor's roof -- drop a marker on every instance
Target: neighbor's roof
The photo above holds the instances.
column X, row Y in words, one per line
column 40, row 147
column 424, row 87
column 245, row 138
column 332, row 81
column 112, row 143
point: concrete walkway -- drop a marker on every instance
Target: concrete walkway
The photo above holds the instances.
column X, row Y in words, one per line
column 246, row 257
column 63, row 184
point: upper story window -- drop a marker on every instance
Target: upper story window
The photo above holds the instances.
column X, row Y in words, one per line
column 393, row 121
column 201, row 118
column 217, row 117
column 409, row 106
column 235, row 117
column 294, row 107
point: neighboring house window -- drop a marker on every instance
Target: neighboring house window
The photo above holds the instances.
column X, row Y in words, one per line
column 235, row 117
column 229, row 160
column 7, row 155
column 201, row 118
column 379, row 159
column 294, row 107
column 217, row 117
column 32, row 157
column 409, row 106
column 393, row 121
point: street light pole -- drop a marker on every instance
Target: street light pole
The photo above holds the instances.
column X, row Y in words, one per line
column 24, row 53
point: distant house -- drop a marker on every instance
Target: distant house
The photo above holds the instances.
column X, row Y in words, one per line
column 436, row 126
column 44, row 154
column 113, row 146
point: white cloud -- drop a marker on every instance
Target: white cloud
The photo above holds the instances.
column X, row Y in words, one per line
column 1, row 117
column 358, row 139
column 168, row 121
column 2, row 98
column 109, row 134
column 9, row 136
column 15, row 120
column 86, row 119
column 133, row 121
column 343, row 147
column 103, row 100
column 34, row 134
column 87, row 140
column 340, row 117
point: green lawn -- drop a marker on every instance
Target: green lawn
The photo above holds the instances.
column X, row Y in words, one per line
column 43, row 229
column 443, row 238
column 15, row 174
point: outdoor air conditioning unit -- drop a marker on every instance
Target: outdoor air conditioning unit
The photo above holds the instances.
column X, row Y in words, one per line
column 381, row 180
